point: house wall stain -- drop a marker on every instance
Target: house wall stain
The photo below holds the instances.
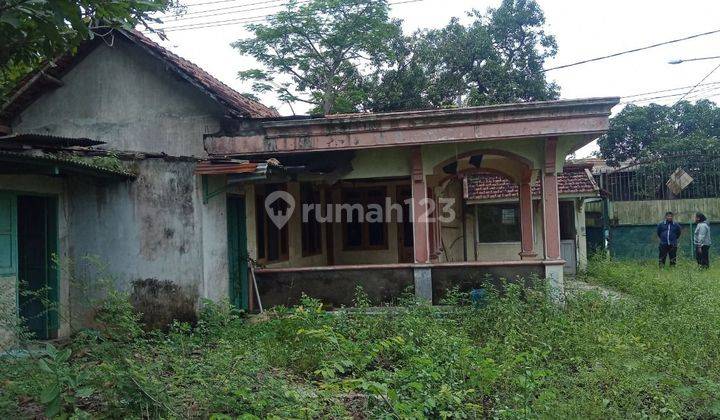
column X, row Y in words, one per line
column 160, row 302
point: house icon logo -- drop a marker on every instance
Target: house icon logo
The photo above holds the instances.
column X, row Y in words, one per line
column 279, row 206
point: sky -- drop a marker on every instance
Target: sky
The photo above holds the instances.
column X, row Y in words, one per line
column 583, row 29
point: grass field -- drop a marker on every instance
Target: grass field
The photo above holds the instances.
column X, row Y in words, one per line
column 655, row 353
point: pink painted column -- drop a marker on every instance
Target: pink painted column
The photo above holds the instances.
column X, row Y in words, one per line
column 421, row 239
column 527, row 241
column 551, row 211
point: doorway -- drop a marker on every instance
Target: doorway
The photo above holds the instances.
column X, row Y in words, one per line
column 37, row 244
column 237, row 252
column 405, row 242
column 568, row 233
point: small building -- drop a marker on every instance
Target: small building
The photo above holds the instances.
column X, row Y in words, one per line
column 493, row 215
column 126, row 167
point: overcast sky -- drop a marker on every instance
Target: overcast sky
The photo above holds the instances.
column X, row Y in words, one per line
column 584, row 29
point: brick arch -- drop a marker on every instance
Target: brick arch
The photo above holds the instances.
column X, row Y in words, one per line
column 525, row 165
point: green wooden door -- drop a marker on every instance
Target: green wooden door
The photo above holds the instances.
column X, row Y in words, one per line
column 37, row 243
column 8, row 240
column 237, row 252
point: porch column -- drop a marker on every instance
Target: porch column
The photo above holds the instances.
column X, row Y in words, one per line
column 551, row 224
column 421, row 239
column 551, row 211
column 527, row 239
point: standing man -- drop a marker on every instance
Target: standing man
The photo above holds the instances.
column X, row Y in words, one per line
column 702, row 241
column 668, row 232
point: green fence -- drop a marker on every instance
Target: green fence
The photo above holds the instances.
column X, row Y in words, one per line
column 640, row 242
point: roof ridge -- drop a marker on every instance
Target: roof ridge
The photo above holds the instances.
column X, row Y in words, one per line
column 257, row 110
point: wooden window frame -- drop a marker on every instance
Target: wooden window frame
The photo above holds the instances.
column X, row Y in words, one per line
column 515, row 206
column 283, row 254
column 365, row 232
column 312, row 226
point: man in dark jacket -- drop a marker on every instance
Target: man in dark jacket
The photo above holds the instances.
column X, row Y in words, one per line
column 668, row 232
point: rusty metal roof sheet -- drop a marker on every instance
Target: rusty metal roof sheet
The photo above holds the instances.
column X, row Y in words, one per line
column 58, row 163
column 36, row 140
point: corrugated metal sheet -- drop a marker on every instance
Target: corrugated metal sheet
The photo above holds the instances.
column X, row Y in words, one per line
column 32, row 139
column 65, row 164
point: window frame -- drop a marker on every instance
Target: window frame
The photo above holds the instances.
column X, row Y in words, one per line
column 365, row 226
column 312, row 226
column 283, row 239
column 501, row 206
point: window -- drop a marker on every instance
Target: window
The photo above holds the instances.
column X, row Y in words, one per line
column 272, row 243
column 498, row 222
column 567, row 220
column 311, row 228
column 365, row 235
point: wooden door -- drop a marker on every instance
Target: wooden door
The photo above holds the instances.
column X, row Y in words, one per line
column 237, row 252
column 37, row 275
column 405, row 241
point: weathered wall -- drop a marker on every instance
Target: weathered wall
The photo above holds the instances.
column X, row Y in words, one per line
column 125, row 97
column 634, row 235
column 42, row 185
column 334, row 288
column 468, row 278
column 143, row 229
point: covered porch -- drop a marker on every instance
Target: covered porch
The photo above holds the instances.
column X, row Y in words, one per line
column 377, row 200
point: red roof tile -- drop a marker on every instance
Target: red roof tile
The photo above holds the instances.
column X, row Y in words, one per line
column 573, row 180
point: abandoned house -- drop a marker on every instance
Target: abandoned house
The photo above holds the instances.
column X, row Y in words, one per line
column 126, row 164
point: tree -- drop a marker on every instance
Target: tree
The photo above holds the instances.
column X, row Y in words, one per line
column 639, row 132
column 497, row 58
column 346, row 55
column 327, row 48
column 34, row 30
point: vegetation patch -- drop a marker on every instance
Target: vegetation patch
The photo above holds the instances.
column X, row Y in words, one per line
column 515, row 356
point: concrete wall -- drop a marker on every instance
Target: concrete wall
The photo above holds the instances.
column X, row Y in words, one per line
column 31, row 184
column 125, row 97
column 154, row 227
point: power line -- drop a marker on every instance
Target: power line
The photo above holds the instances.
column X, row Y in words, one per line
column 226, row 1
column 647, row 47
column 698, row 84
column 673, row 95
column 192, row 15
column 666, row 90
column 245, row 20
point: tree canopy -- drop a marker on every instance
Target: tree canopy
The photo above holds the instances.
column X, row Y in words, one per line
column 345, row 56
column 649, row 131
column 33, row 30
column 326, row 47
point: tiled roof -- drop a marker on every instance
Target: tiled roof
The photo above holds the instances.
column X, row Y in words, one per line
column 573, row 180
column 48, row 77
column 213, row 86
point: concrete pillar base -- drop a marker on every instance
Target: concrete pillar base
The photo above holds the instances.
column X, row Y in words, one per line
column 555, row 279
column 528, row 255
column 423, row 283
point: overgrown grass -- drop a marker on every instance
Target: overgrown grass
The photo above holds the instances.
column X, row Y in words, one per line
column 654, row 354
